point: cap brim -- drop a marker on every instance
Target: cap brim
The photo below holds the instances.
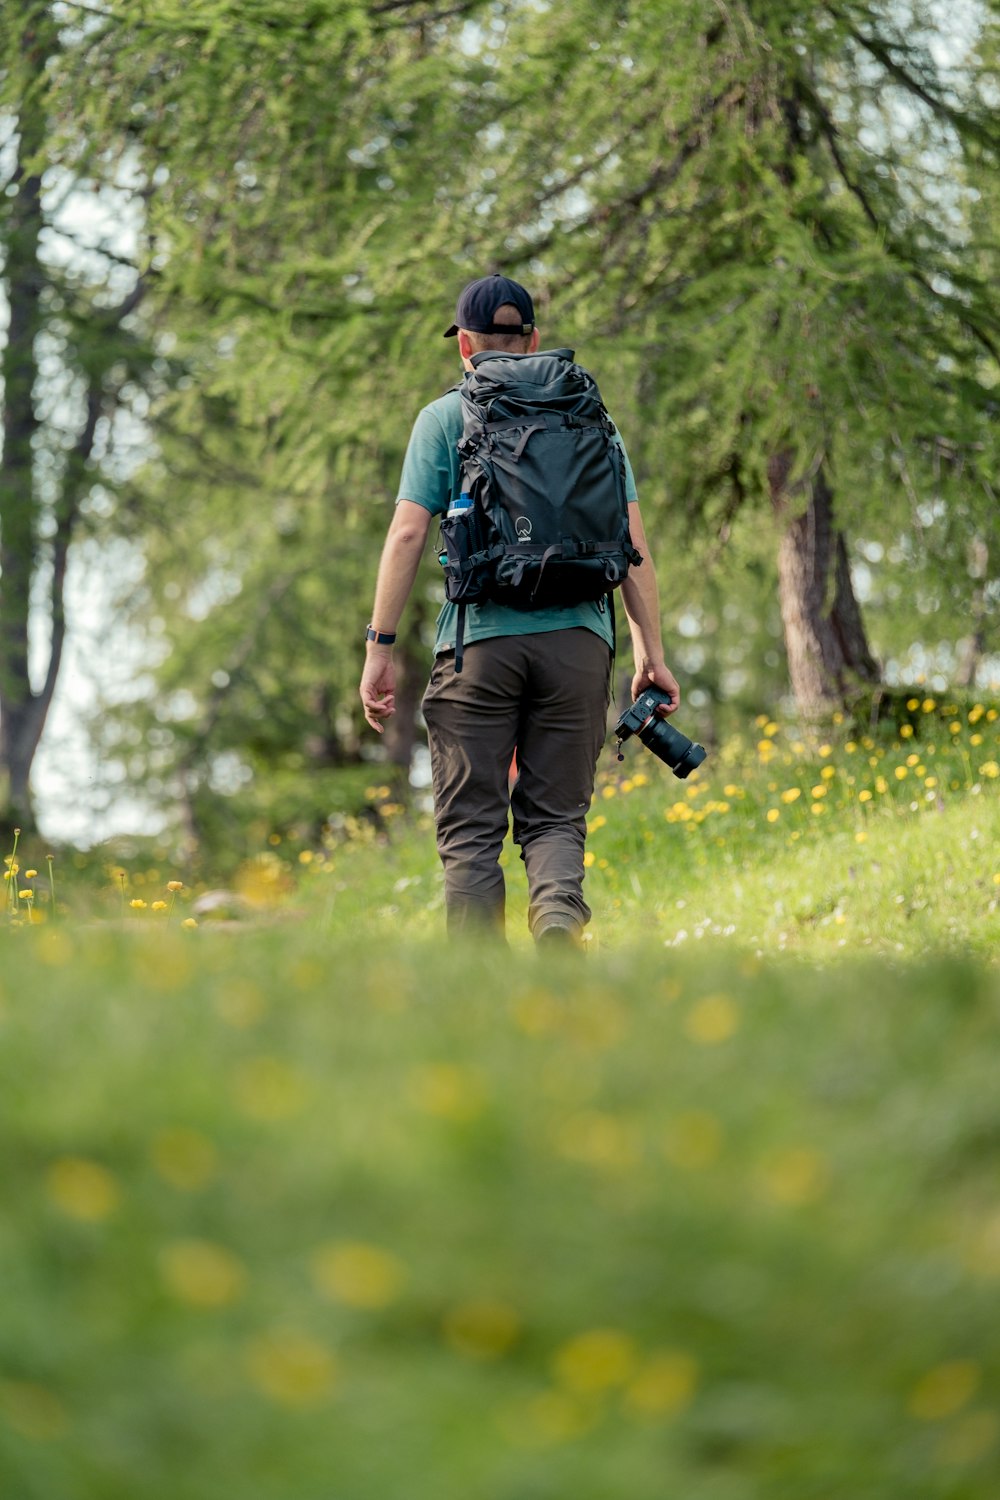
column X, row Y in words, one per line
column 450, row 333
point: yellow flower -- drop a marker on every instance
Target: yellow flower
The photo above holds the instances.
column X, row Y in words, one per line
column 595, row 1361
column 712, row 1019
column 189, row 922
column 664, row 1383
column 881, row 785
column 944, row 1390
column 820, row 789
column 159, row 906
column 794, row 1176
column 792, row 794
column 860, row 836
column 481, row 1329
column 82, row 1189
column 30, row 874
column 138, row 904
column 773, row 814
column 184, row 1158
column 825, row 750
column 928, row 705
column 358, row 1275
column 588, row 859
column 175, row 885
column 449, row 1091
column 32, row 1411
column 25, row 895
column 291, row 1368
column 693, row 1140
column 990, row 768
column 900, row 773
column 201, row 1273
column 864, row 796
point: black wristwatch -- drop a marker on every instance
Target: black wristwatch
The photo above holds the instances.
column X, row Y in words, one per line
column 380, row 637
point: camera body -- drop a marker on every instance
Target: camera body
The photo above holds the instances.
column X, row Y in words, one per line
column 657, row 734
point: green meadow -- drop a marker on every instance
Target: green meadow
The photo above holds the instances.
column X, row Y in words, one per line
column 303, row 1204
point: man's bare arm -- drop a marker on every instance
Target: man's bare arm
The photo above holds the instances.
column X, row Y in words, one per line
column 641, row 599
column 397, row 569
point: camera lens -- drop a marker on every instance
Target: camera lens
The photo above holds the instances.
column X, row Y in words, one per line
column 681, row 754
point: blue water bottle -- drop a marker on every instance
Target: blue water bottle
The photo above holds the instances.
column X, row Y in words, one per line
column 459, row 506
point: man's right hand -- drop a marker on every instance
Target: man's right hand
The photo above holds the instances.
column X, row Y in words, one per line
column 378, row 686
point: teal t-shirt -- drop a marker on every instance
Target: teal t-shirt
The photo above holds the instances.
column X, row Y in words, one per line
column 430, row 478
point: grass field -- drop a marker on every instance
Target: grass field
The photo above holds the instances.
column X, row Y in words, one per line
column 311, row 1207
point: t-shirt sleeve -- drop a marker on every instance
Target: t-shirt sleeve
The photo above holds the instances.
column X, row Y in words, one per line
column 427, row 477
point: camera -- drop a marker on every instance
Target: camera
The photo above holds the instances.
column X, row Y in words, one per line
column 658, row 734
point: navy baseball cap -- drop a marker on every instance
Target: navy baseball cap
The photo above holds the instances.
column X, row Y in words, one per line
column 480, row 300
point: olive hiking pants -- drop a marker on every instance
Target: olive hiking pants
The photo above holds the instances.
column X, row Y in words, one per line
column 546, row 696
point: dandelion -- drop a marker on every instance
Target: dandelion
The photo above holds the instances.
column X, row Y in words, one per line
column 189, row 923
column 481, row 1329
column 825, row 750
column 944, row 1390
column 773, row 814
column 358, row 1275
column 905, row 731
column 864, row 796
column 901, row 773
column 30, row 874
column 792, row 794
column 990, row 768
column 201, row 1273
column 137, row 904
column 291, row 1368
column 664, row 1384
column 159, row 906
column 594, row 1361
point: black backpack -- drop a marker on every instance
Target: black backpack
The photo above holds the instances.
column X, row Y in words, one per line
column 545, row 517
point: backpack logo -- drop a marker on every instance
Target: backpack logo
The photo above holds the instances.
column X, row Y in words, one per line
column 523, row 528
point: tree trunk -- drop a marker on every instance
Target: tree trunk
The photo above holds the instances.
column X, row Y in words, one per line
column 21, row 714
column 829, row 658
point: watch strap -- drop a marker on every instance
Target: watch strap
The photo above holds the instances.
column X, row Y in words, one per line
column 380, row 637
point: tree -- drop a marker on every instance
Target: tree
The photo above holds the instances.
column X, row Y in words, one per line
column 73, row 362
column 765, row 210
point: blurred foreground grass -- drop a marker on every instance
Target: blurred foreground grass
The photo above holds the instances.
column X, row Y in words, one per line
column 293, row 1219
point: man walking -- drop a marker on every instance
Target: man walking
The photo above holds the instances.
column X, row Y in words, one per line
column 532, row 680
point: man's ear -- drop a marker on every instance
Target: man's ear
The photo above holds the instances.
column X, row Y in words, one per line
column 535, row 340
column 465, row 348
